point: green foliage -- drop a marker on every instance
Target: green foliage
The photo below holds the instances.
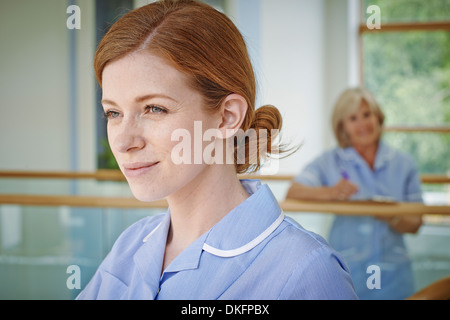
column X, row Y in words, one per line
column 411, row 10
column 409, row 74
column 106, row 158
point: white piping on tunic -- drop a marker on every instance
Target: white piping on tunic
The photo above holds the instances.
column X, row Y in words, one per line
column 151, row 233
column 248, row 246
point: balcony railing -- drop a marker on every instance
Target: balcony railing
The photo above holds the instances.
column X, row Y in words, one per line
column 45, row 227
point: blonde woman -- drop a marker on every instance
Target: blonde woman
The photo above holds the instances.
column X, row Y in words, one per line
column 166, row 70
column 364, row 167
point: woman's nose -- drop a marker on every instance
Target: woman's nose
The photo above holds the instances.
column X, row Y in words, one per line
column 128, row 138
column 361, row 121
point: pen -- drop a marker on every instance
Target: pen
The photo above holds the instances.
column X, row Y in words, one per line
column 344, row 174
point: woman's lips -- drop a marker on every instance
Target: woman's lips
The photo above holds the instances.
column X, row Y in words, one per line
column 137, row 169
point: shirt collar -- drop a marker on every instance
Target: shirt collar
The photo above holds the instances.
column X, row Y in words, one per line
column 248, row 224
column 150, row 256
column 383, row 156
column 239, row 231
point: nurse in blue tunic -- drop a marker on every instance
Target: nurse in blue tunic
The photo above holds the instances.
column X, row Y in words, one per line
column 179, row 94
column 364, row 167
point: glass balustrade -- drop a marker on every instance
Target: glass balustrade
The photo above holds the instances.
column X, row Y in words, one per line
column 51, row 252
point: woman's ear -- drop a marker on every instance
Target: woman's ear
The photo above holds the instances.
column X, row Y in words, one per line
column 233, row 110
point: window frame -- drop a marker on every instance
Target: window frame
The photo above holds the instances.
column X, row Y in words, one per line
column 400, row 27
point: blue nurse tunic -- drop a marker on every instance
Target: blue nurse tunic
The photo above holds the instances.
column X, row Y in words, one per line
column 367, row 241
column 254, row 253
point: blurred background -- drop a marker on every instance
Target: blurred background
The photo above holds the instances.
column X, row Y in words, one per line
column 304, row 52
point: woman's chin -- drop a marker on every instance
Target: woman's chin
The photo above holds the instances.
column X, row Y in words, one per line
column 146, row 196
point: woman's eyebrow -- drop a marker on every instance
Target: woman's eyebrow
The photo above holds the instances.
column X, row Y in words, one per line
column 141, row 99
column 151, row 96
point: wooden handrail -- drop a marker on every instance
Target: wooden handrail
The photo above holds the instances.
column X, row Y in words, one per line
column 439, row 290
column 434, row 179
column 364, row 208
column 108, row 175
column 79, row 201
column 116, row 175
column 408, row 26
column 420, row 129
column 335, row 207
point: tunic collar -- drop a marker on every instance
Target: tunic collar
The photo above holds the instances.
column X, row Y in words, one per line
column 239, row 231
column 383, row 156
column 247, row 225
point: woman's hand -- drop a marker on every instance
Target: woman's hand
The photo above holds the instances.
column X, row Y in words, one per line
column 343, row 190
column 403, row 224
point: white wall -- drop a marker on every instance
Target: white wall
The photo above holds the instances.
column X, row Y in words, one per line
column 34, row 115
column 305, row 50
column 34, row 86
column 86, row 42
column 341, row 55
column 292, row 56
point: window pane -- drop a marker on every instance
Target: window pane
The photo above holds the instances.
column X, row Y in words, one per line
column 107, row 12
column 410, row 10
column 409, row 74
column 430, row 150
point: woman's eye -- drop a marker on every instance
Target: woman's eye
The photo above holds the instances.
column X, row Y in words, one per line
column 155, row 109
column 111, row 115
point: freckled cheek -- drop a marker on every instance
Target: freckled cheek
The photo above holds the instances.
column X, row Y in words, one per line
column 159, row 139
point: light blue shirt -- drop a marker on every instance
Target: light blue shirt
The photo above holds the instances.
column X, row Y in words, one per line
column 366, row 241
column 253, row 253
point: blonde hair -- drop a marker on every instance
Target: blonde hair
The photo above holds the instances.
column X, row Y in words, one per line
column 347, row 103
column 202, row 43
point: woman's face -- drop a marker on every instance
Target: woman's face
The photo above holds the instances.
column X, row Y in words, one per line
column 146, row 100
column 362, row 127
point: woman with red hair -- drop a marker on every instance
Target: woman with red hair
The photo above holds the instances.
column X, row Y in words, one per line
column 180, row 69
